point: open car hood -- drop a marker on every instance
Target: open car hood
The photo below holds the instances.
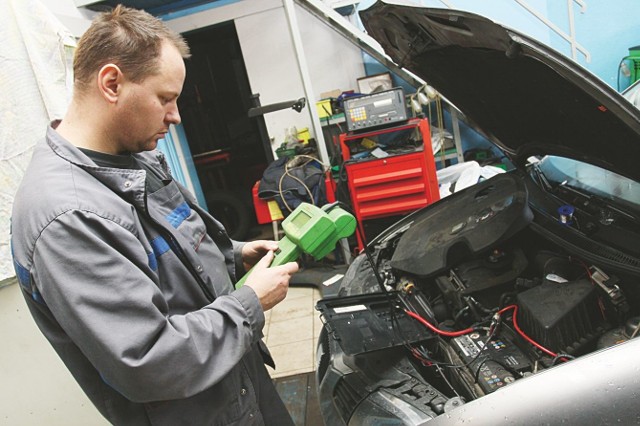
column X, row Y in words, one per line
column 524, row 96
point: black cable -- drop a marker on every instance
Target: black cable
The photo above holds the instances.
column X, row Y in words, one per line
column 447, row 381
column 476, row 376
column 460, row 313
column 394, row 320
column 507, row 368
column 429, row 359
column 561, row 356
column 492, row 332
column 484, row 346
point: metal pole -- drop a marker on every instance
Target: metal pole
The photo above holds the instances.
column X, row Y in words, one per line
column 294, row 30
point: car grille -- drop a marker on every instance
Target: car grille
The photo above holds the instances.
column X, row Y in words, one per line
column 349, row 391
column 346, row 397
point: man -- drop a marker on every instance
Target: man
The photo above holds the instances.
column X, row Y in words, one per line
column 129, row 279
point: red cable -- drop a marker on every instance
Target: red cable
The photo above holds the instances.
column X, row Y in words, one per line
column 469, row 330
column 522, row 333
column 437, row 330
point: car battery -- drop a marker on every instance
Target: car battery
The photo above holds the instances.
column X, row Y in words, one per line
column 495, row 365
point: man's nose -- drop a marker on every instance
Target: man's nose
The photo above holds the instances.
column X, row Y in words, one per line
column 173, row 116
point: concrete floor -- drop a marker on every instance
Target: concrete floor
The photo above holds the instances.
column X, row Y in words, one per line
column 37, row 389
column 291, row 332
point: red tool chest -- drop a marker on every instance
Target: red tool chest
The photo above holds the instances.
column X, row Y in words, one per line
column 394, row 185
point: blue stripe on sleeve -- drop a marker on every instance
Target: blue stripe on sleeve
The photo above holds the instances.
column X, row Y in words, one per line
column 159, row 246
column 177, row 216
column 37, row 297
column 153, row 262
column 24, row 277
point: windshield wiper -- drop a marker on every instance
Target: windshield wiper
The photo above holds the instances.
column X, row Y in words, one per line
column 542, row 179
column 607, row 208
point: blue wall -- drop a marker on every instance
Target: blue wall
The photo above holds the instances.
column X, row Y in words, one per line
column 168, row 147
column 606, row 29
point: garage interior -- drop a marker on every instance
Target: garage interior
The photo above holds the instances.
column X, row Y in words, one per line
column 267, row 56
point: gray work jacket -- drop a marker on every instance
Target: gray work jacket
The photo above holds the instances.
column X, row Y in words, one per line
column 153, row 333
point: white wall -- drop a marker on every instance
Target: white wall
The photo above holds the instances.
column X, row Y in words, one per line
column 270, row 57
column 268, row 50
column 35, row 79
column 272, row 68
column 74, row 19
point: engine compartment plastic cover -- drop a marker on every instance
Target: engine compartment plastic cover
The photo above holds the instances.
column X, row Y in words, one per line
column 469, row 221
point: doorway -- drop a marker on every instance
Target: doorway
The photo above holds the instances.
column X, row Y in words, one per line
column 228, row 150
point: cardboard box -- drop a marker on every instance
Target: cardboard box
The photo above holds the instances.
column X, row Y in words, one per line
column 331, row 94
column 324, row 108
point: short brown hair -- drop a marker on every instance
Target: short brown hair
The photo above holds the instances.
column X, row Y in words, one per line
column 129, row 38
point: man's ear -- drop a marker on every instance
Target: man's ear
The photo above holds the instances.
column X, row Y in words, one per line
column 110, row 80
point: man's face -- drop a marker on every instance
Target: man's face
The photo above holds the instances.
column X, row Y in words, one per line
column 146, row 109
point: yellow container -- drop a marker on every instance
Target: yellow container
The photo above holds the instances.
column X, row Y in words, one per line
column 324, row 108
column 304, row 135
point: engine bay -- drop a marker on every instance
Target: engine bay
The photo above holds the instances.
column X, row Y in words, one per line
column 479, row 316
column 509, row 314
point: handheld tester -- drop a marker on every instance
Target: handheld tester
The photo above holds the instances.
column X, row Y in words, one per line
column 312, row 230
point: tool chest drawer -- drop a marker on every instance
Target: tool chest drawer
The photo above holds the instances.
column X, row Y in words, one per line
column 388, row 186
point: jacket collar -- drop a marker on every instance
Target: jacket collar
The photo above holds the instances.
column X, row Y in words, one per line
column 127, row 183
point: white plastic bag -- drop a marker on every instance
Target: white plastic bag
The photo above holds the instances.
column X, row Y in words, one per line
column 463, row 175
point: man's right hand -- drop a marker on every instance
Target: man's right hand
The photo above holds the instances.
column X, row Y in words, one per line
column 271, row 284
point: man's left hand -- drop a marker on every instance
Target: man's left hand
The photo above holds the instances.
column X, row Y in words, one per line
column 253, row 251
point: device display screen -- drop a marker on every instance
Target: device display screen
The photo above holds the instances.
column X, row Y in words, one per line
column 300, row 219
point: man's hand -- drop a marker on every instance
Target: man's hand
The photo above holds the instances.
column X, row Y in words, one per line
column 253, row 251
column 270, row 284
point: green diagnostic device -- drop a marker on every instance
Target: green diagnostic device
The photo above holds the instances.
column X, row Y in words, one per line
column 312, row 230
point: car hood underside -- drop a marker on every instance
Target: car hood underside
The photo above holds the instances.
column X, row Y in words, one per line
column 524, row 96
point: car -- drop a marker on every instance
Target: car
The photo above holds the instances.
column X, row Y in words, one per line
column 515, row 300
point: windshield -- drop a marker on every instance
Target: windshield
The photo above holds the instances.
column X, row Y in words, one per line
column 591, row 179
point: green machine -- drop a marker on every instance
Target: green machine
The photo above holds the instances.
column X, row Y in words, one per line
column 629, row 69
column 312, row 230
